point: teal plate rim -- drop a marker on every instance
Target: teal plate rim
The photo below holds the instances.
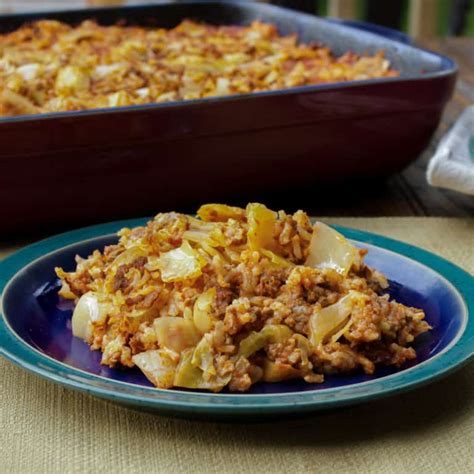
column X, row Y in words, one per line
column 166, row 401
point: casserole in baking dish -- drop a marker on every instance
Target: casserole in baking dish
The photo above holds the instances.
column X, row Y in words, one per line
column 84, row 166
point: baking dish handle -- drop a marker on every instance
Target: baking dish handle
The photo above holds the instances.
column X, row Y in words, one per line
column 372, row 28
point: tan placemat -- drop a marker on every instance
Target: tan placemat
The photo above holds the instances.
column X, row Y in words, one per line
column 46, row 428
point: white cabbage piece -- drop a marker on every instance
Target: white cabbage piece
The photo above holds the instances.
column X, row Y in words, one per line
column 88, row 310
column 270, row 334
column 159, row 366
column 202, row 310
column 72, row 80
column 176, row 333
column 189, row 373
column 332, row 321
column 180, row 264
column 261, row 221
column 329, row 249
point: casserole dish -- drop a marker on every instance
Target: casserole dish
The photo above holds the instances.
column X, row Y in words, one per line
column 71, row 167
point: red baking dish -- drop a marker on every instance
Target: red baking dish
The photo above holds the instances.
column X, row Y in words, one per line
column 75, row 167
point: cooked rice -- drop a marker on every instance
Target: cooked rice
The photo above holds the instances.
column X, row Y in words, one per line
column 235, row 297
column 49, row 66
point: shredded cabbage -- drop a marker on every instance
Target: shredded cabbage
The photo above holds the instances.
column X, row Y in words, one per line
column 261, row 221
column 276, row 371
column 128, row 256
column 329, row 249
column 159, row 366
column 200, row 231
column 327, row 322
column 180, row 264
column 88, row 310
column 71, row 80
column 219, row 213
column 190, row 375
column 276, row 259
column 258, row 340
column 202, row 310
column 176, row 333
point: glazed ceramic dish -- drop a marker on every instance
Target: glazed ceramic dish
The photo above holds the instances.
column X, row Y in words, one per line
column 301, row 135
column 35, row 333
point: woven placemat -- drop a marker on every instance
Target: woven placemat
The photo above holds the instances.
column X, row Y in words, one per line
column 46, row 428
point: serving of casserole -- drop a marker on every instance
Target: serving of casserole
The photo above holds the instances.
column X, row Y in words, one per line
column 235, row 297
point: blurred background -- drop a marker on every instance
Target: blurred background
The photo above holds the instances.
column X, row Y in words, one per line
column 420, row 18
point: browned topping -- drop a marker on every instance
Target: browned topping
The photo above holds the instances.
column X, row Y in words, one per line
column 48, row 66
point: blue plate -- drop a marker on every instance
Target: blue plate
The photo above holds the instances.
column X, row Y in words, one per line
column 35, row 332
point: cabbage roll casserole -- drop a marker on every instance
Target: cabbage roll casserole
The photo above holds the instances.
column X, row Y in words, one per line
column 49, row 66
column 234, row 297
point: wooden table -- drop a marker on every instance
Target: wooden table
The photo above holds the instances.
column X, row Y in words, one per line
column 433, row 201
column 405, row 194
column 408, row 193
